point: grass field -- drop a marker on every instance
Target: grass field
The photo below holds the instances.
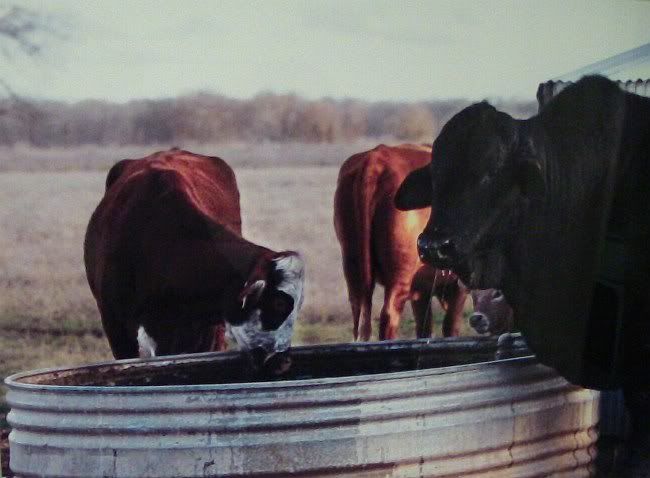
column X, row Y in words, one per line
column 239, row 155
column 47, row 314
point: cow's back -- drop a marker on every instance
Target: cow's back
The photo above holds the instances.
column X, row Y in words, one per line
column 157, row 211
column 207, row 184
column 376, row 237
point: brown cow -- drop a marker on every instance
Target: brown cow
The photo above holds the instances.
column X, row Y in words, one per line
column 378, row 244
column 169, row 268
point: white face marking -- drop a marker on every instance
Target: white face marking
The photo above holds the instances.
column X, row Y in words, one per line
column 250, row 335
column 146, row 344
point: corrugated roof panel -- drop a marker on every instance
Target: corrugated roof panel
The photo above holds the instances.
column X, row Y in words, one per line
column 549, row 89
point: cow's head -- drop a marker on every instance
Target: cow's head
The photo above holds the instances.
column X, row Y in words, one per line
column 492, row 313
column 484, row 173
column 268, row 307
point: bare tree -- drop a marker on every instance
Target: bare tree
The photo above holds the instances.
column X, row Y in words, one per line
column 20, row 33
column 19, row 28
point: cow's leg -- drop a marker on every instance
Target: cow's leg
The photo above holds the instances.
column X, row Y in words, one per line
column 360, row 290
column 455, row 296
column 355, row 305
column 421, row 304
column 365, row 315
column 389, row 319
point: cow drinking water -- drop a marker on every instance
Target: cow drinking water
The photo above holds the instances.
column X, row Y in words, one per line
column 169, row 268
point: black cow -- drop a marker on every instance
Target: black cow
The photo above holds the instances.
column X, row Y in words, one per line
column 554, row 211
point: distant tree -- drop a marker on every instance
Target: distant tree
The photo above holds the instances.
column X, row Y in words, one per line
column 354, row 119
column 20, row 29
column 411, row 123
column 207, row 118
column 320, row 121
column 271, row 117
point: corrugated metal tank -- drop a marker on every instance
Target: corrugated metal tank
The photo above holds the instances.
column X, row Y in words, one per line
column 391, row 409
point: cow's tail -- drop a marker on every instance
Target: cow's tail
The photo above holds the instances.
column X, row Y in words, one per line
column 365, row 202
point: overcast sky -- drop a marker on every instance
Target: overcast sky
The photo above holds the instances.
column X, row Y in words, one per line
column 367, row 49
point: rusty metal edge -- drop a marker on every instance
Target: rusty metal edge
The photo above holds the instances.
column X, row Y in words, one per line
column 14, row 381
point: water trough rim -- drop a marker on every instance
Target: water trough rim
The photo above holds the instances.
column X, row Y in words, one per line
column 15, row 384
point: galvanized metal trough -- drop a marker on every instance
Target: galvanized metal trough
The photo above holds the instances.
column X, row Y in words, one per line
column 443, row 408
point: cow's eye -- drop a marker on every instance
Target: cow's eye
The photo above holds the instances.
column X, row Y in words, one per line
column 280, row 306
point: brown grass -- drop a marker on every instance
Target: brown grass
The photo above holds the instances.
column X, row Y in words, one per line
column 92, row 157
column 47, row 314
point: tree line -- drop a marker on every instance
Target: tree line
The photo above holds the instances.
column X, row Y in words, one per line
column 207, row 117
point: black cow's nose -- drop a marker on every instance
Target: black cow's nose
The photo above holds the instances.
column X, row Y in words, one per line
column 440, row 252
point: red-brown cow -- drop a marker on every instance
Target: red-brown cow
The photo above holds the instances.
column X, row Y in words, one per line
column 169, row 268
column 378, row 244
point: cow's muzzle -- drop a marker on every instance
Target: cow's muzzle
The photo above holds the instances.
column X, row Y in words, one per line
column 441, row 253
column 479, row 322
column 271, row 364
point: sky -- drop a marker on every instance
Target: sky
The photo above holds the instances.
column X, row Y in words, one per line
column 373, row 50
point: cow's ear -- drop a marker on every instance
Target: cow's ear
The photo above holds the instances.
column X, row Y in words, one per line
column 252, row 293
column 416, row 190
column 116, row 171
column 530, row 177
column 256, row 281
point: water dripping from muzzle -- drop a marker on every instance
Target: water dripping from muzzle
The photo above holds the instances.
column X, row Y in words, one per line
column 418, row 360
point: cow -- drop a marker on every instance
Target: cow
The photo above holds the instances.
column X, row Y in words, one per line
column 169, row 269
column 554, row 211
column 492, row 314
column 378, row 245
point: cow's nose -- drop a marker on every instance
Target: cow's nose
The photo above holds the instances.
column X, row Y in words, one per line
column 479, row 322
column 439, row 252
column 269, row 363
